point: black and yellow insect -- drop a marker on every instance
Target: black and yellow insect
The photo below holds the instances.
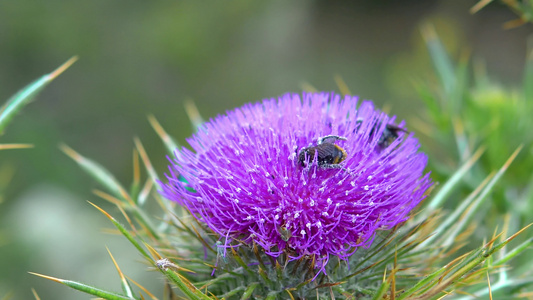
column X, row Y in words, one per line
column 328, row 154
column 389, row 135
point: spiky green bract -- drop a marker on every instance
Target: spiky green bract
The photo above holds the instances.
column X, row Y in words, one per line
column 27, row 94
column 87, row 288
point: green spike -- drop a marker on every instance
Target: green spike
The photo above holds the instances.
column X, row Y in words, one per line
column 25, row 95
column 232, row 292
column 477, row 203
column 98, row 172
column 126, row 233
column 380, row 292
column 169, row 141
column 442, row 63
column 515, row 252
column 191, row 292
column 86, row 288
column 249, row 291
column 452, row 183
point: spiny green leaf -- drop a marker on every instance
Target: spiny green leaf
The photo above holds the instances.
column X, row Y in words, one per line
column 443, row 230
column 123, row 281
column 194, row 115
column 98, row 172
column 515, row 252
column 126, row 233
column 169, row 142
column 380, row 292
column 427, row 280
column 189, row 290
column 451, row 183
column 341, row 84
column 477, row 203
column 272, row 295
column 222, row 277
column 442, row 63
column 137, row 212
column 24, row 96
column 86, row 288
column 241, row 262
column 146, row 160
column 249, row 290
column 232, row 292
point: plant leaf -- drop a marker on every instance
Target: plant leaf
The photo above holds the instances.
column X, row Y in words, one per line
column 25, row 95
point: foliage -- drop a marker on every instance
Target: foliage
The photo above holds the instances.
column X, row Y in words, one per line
column 423, row 259
column 429, row 257
column 463, row 116
column 8, row 111
column 522, row 8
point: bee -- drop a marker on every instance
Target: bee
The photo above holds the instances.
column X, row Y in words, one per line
column 328, row 155
column 389, row 135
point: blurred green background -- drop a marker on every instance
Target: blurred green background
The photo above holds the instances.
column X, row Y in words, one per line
column 138, row 58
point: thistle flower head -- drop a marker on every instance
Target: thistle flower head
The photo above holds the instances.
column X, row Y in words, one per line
column 264, row 173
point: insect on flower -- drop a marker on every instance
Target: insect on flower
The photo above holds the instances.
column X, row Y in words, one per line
column 242, row 182
column 389, row 134
column 328, row 154
column 221, row 252
column 284, row 232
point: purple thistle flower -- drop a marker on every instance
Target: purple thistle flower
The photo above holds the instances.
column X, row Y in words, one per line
column 246, row 180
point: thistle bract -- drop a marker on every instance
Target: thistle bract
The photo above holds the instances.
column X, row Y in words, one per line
column 245, row 180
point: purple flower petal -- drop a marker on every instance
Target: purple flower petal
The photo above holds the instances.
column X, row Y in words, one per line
column 245, row 180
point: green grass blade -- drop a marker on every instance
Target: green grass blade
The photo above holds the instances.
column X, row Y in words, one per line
column 24, row 96
column 86, row 288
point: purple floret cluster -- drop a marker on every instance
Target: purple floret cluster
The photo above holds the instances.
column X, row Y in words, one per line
column 244, row 179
